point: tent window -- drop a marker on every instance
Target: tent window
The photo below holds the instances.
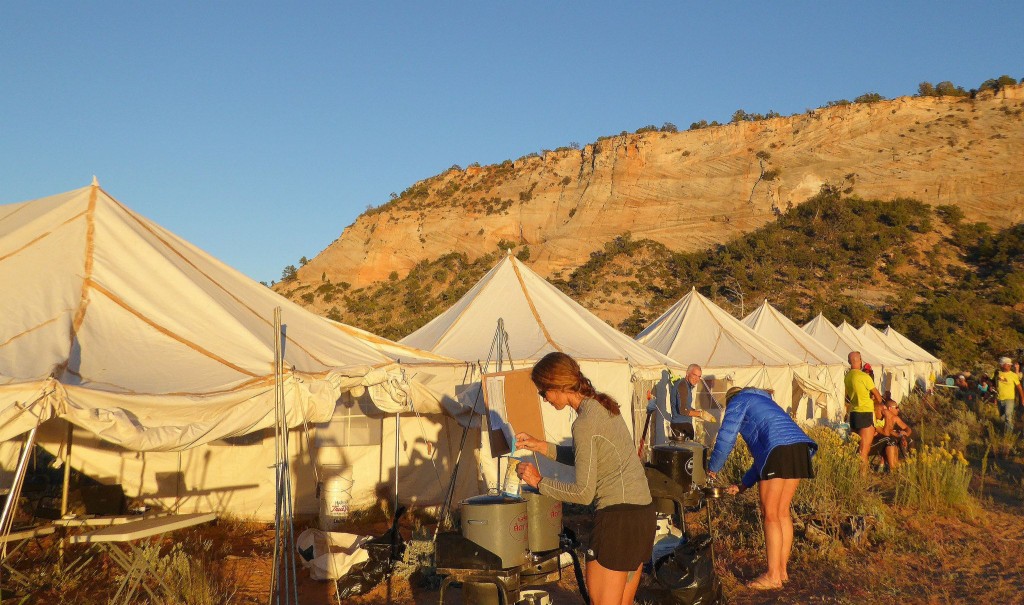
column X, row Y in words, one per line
column 350, row 426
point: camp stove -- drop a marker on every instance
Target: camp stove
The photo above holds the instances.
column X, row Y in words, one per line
column 676, row 475
column 506, row 543
column 683, row 565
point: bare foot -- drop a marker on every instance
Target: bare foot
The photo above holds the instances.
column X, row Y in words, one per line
column 785, row 577
column 764, row 583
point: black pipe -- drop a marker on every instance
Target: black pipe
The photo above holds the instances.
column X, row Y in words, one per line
column 579, row 576
column 567, row 542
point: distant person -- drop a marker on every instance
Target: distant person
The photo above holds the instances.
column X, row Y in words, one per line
column 962, row 387
column 609, row 474
column 861, row 397
column 1007, row 388
column 890, row 431
column 683, row 410
column 985, row 391
column 869, row 371
column 782, row 457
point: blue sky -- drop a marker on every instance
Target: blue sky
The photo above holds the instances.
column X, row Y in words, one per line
column 260, row 130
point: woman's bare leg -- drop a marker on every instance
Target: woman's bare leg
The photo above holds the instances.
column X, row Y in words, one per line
column 632, row 583
column 786, row 519
column 770, row 492
column 606, row 586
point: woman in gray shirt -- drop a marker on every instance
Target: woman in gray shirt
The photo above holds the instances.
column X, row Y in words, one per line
column 608, row 473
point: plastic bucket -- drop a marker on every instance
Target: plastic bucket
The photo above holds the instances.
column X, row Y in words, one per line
column 335, row 497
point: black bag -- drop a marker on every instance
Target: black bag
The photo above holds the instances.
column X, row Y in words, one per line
column 688, row 574
column 383, row 551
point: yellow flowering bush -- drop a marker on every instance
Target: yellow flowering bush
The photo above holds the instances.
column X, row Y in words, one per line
column 934, row 478
column 839, row 490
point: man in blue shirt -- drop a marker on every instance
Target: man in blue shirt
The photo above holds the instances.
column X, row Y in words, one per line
column 682, row 406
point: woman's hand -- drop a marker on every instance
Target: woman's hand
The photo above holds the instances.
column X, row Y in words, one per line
column 528, row 474
column 525, row 441
column 712, row 475
column 734, row 489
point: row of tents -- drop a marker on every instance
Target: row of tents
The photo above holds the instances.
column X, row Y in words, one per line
column 143, row 361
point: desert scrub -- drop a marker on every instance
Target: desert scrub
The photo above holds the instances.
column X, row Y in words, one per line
column 193, row 572
column 838, row 491
column 934, row 479
column 1000, row 441
column 738, row 523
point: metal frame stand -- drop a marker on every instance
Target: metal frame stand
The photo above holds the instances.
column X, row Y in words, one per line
column 284, row 588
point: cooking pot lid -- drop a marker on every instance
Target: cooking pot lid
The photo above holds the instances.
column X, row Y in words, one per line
column 686, row 446
column 492, row 499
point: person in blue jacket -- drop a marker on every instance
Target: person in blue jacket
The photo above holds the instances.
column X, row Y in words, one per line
column 782, row 457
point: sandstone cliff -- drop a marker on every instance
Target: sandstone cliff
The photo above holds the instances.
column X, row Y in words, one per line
column 690, row 190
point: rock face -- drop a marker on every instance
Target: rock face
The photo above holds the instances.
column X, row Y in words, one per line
column 691, row 190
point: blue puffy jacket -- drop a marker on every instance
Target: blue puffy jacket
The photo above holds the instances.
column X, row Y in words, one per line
column 764, row 426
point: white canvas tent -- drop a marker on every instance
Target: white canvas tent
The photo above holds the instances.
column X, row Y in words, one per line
column 891, row 373
column 162, row 358
column 825, row 366
column 696, row 330
column 922, row 370
column 913, row 350
column 901, row 370
column 540, row 319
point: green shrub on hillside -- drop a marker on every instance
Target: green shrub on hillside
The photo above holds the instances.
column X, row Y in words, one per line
column 959, row 298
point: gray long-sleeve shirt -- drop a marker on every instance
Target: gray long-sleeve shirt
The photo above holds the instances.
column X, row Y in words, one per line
column 608, row 469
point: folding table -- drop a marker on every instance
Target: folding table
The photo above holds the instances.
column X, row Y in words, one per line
column 17, row 539
column 132, row 557
column 105, row 520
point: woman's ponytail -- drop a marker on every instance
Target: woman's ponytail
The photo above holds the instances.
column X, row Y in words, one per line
column 560, row 371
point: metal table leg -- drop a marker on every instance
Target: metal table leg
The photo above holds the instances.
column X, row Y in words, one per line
column 136, row 567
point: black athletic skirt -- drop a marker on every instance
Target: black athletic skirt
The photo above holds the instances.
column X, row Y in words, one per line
column 789, row 462
column 623, row 536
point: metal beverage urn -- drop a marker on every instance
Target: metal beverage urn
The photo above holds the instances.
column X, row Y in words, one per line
column 545, row 516
column 497, row 522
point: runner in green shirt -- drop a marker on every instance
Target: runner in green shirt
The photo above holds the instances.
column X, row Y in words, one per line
column 861, row 397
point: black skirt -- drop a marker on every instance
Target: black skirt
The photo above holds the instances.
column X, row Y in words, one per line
column 789, row 462
column 623, row 536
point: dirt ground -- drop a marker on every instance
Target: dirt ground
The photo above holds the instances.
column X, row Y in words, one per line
column 944, row 561
column 937, row 560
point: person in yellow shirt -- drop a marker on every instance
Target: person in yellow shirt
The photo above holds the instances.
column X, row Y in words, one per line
column 1007, row 388
column 861, row 397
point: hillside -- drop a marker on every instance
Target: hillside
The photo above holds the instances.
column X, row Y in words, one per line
column 695, row 189
column 955, row 286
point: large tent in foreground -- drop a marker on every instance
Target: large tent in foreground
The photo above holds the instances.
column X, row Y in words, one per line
column 162, row 359
column 825, row 366
column 696, row 330
column 891, row 373
column 539, row 319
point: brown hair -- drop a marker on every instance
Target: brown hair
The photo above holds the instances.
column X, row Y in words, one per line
column 558, row 371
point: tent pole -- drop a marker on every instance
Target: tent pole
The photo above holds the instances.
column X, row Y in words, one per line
column 398, row 434
column 67, row 473
column 65, row 488
column 7, row 517
column 500, row 337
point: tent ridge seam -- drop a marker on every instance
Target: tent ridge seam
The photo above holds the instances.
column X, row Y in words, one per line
column 115, row 299
column 533, row 309
column 230, row 294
